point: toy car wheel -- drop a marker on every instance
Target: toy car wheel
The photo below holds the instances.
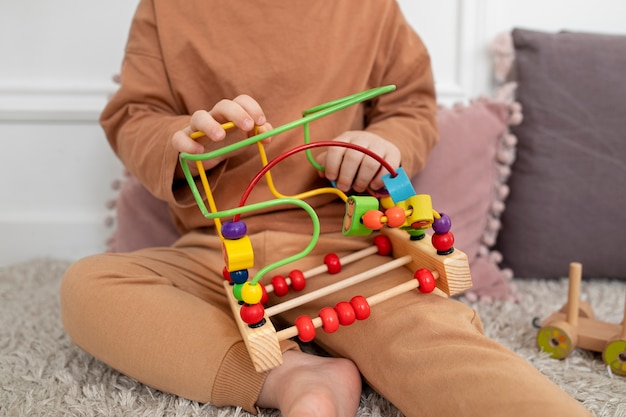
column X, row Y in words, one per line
column 558, row 339
column 614, row 355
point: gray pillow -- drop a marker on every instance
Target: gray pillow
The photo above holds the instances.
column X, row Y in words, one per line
column 567, row 197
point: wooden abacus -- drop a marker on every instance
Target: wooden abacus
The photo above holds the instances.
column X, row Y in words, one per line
column 446, row 274
column 433, row 259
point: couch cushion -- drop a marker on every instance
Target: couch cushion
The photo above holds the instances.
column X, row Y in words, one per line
column 568, row 185
column 465, row 177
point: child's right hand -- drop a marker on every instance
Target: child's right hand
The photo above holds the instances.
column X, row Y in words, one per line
column 243, row 111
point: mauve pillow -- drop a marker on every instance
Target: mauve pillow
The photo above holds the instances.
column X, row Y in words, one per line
column 465, row 177
column 568, row 185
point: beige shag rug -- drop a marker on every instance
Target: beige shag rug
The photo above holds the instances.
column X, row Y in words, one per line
column 43, row 374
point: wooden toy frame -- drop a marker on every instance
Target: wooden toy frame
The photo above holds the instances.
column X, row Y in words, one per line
column 575, row 325
column 436, row 264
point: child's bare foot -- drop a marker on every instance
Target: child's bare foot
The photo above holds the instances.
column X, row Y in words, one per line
column 312, row 386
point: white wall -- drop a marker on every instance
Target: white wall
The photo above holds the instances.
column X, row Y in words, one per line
column 56, row 63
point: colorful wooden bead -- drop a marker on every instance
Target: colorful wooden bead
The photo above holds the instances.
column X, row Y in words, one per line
column 237, row 291
column 251, row 293
column 356, row 207
column 330, row 319
column 239, row 277
column 426, row 280
column 383, row 244
column 238, row 254
column 298, row 281
column 234, row 230
column 443, row 243
column 345, row 312
column 280, row 285
column 372, row 219
column 306, row 328
column 420, row 209
column 226, row 275
column 395, row 216
column 252, row 314
column 399, row 187
column 333, row 263
column 265, row 297
column 361, row 307
column 443, row 224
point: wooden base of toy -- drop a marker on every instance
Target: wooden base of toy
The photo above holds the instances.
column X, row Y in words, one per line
column 451, row 272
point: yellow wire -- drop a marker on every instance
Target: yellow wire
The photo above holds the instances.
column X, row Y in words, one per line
column 301, row 196
column 198, row 134
column 209, row 196
column 205, row 181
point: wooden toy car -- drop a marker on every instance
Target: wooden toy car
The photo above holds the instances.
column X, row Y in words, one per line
column 576, row 326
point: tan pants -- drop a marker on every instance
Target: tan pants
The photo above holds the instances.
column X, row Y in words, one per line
column 160, row 316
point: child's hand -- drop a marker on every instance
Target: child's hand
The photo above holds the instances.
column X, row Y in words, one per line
column 353, row 169
column 243, row 111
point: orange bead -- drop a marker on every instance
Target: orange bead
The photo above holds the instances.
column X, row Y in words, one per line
column 372, row 219
column 395, row 216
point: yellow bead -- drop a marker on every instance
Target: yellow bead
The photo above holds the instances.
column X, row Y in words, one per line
column 251, row 293
column 238, row 254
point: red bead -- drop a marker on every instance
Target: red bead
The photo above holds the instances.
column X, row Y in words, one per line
column 395, row 216
column 226, row 275
column 332, row 263
column 425, row 279
column 372, row 219
column 306, row 329
column 330, row 319
column 383, row 244
column 265, row 298
column 251, row 313
column 280, row 285
column 298, row 281
column 443, row 242
column 361, row 307
column 345, row 312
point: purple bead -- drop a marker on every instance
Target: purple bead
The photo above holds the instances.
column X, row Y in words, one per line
column 442, row 225
column 234, row 230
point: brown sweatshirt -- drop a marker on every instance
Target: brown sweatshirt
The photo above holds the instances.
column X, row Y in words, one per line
column 184, row 56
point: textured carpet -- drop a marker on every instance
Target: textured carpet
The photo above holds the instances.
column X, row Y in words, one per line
column 43, row 374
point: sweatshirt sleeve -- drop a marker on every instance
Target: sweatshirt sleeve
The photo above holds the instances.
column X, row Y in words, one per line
column 407, row 116
column 143, row 114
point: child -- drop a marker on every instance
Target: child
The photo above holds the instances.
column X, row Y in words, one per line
column 160, row 315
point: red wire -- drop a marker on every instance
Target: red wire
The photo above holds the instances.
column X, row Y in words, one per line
column 304, row 147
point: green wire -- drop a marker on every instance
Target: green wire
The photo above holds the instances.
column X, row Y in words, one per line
column 309, row 115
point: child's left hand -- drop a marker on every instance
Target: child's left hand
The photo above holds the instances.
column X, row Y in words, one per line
column 351, row 169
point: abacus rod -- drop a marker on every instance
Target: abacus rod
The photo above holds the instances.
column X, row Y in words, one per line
column 303, row 299
column 372, row 300
column 348, row 259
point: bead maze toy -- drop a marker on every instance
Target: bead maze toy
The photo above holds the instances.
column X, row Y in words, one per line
column 575, row 325
column 399, row 217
